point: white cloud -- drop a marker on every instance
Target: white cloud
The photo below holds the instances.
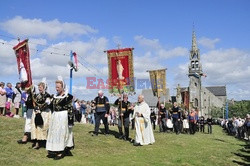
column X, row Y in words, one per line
column 149, row 43
column 228, row 67
column 144, row 63
column 178, row 51
column 117, row 40
column 155, row 47
column 208, row 43
column 22, row 27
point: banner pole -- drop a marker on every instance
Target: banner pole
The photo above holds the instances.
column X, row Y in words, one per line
column 71, row 74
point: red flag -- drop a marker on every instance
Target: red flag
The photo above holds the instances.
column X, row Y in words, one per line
column 23, row 63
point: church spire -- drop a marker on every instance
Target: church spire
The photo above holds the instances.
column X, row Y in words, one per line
column 194, row 44
column 195, row 65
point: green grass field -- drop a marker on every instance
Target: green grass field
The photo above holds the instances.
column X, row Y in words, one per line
column 169, row 149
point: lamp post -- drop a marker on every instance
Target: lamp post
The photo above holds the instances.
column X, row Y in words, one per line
column 226, row 107
column 226, row 110
column 72, row 66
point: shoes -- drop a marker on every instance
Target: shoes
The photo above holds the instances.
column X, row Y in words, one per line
column 59, row 156
column 51, row 156
column 22, row 142
column 94, row 135
column 137, row 144
column 127, row 139
column 36, row 147
column 16, row 116
column 68, row 153
column 106, row 134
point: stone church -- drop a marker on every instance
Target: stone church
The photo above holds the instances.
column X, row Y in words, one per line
column 204, row 99
column 196, row 96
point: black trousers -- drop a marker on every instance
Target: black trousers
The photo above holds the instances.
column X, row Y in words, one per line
column 202, row 128
column 176, row 125
column 209, row 129
column 126, row 126
column 192, row 128
column 153, row 123
column 163, row 125
column 101, row 116
column 132, row 124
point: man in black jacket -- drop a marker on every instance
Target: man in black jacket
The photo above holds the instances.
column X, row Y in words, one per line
column 102, row 112
column 124, row 112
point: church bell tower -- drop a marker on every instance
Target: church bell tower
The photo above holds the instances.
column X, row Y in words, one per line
column 194, row 74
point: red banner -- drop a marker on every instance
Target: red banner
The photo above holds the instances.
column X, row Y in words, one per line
column 185, row 99
column 23, row 63
column 121, row 71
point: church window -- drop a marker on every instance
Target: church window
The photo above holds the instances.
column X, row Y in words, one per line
column 193, row 65
column 196, row 102
column 195, row 84
column 197, row 65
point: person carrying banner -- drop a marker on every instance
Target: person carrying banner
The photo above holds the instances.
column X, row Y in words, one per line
column 30, row 106
column 124, row 112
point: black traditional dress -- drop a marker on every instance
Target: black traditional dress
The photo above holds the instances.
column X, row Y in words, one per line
column 60, row 135
column 41, row 101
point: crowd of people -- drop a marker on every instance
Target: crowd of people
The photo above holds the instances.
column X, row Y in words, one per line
column 177, row 120
column 49, row 118
column 238, row 127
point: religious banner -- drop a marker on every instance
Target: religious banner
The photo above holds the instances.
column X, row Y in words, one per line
column 121, row 71
column 158, row 81
column 185, row 99
column 23, row 63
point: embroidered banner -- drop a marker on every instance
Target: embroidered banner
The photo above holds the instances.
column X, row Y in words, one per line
column 121, row 71
column 185, row 99
column 158, row 81
column 23, row 63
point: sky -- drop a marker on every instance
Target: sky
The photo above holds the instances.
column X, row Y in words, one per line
column 160, row 32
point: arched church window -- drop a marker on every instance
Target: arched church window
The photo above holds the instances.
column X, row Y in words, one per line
column 196, row 102
column 193, row 65
column 197, row 65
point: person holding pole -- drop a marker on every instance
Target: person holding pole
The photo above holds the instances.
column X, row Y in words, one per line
column 124, row 112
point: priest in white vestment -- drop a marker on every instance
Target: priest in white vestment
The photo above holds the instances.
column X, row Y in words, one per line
column 144, row 133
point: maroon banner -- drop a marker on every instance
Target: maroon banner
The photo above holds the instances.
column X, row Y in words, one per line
column 185, row 99
column 23, row 63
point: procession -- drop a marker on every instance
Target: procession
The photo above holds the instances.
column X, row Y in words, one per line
column 50, row 118
column 124, row 83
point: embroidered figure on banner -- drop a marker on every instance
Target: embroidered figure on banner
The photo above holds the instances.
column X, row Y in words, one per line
column 120, row 69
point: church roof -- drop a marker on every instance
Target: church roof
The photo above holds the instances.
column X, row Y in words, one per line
column 151, row 100
column 218, row 90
